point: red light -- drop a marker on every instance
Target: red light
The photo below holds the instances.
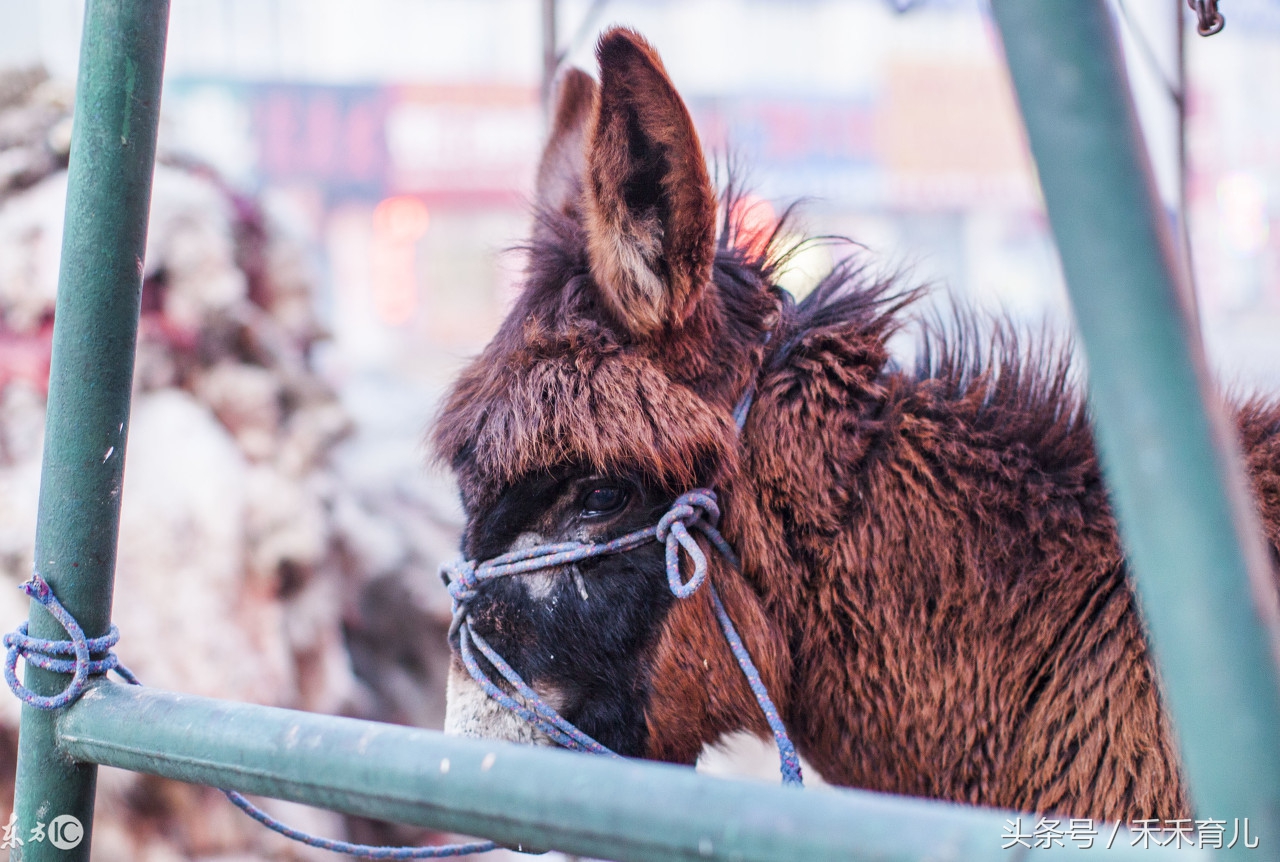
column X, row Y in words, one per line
column 398, row 224
column 755, row 220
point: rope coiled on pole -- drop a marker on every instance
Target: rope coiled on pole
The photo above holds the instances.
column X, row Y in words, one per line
column 76, row 658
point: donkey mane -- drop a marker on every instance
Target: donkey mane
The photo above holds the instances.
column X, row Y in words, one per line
column 1005, row 378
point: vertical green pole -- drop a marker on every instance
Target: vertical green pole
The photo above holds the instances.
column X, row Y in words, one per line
column 95, row 332
column 1187, row 521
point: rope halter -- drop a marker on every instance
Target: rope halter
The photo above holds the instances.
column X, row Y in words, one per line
column 696, row 510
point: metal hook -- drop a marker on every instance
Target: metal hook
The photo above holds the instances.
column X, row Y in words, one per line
column 1208, row 19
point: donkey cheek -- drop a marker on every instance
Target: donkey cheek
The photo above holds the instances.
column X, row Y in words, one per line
column 471, row 712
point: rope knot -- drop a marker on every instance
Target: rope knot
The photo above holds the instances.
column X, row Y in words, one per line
column 74, row 656
column 460, row 579
column 689, row 509
column 697, row 509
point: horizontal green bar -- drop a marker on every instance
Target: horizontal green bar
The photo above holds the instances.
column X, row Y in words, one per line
column 535, row 797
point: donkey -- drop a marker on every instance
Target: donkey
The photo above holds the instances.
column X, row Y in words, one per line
column 930, row 581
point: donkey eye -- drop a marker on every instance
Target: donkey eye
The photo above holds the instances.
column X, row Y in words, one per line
column 604, row 500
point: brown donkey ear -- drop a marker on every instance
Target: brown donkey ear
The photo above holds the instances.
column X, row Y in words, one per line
column 650, row 209
column 560, row 171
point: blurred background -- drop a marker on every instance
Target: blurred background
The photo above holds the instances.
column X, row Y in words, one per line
column 339, row 187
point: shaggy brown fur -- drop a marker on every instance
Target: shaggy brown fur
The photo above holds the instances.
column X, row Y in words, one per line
column 932, row 584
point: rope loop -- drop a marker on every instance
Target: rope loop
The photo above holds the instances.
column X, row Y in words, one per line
column 697, row 509
column 74, row 656
column 363, row 851
column 678, row 538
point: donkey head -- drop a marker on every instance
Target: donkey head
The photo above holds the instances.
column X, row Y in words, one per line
column 607, row 393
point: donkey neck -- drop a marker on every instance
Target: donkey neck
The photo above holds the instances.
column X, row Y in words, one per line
column 929, row 544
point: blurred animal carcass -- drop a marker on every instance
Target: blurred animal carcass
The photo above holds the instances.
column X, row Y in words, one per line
column 253, row 565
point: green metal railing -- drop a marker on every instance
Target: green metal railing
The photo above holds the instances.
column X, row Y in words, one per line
column 95, row 330
column 528, row 795
column 1190, row 532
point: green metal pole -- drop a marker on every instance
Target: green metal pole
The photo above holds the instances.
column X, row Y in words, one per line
column 95, row 332
column 1188, row 524
column 627, row 810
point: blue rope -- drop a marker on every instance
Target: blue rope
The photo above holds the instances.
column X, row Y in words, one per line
column 51, row 655
column 696, row 510
column 364, row 851
column 789, row 759
column 538, row 713
column 749, row 394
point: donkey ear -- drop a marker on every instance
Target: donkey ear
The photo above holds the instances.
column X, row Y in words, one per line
column 650, row 209
column 560, row 171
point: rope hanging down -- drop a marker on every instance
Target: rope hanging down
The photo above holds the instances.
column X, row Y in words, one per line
column 76, row 657
column 695, row 510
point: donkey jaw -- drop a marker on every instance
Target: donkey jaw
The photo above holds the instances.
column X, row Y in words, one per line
column 471, row 712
